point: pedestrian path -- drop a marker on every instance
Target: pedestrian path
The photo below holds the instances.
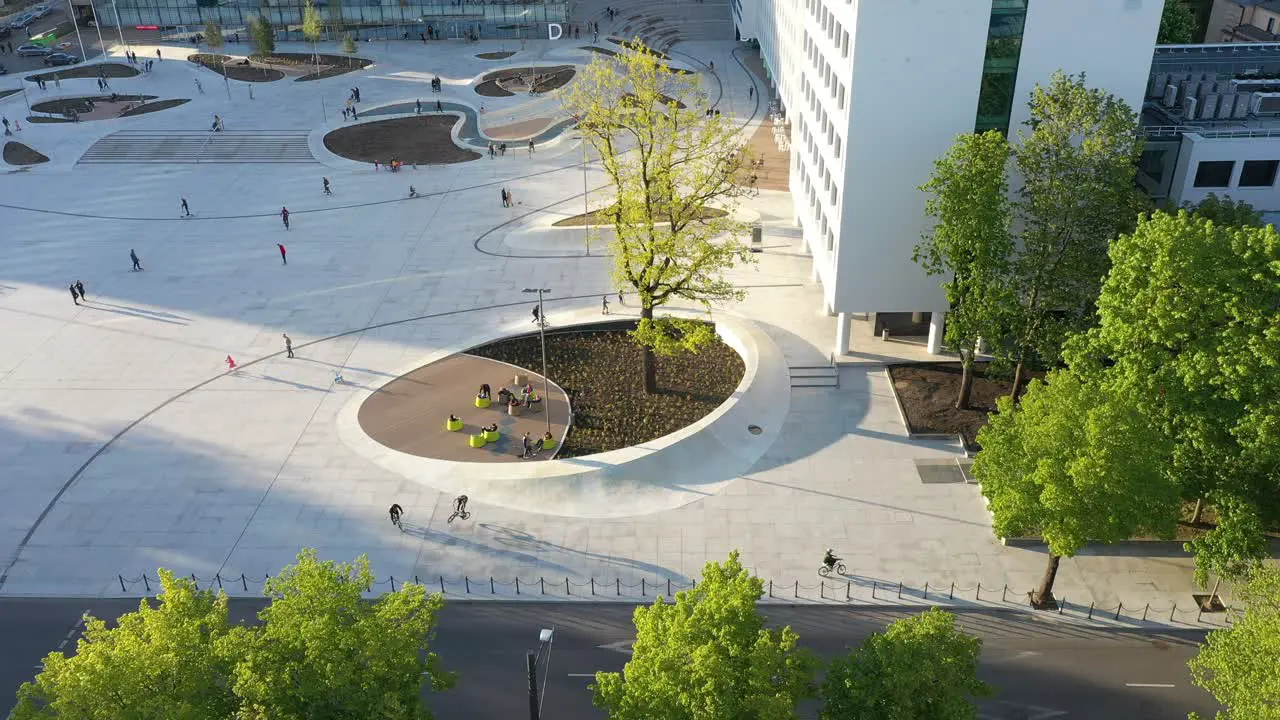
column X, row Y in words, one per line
column 244, row 146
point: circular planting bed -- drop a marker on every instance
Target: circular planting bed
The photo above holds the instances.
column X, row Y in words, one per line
column 600, row 369
column 81, row 104
column 604, row 216
column 496, row 55
column 107, row 70
column 15, row 153
column 536, row 80
column 154, row 107
column 421, row 140
column 236, row 68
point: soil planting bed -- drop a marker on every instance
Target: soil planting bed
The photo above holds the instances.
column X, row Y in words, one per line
column 640, row 48
column 603, row 217
column 109, row 70
column 62, row 105
column 155, row 107
column 330, row 65
column 505, row 83
column 600, row 50
column 234, row 70
column 928, row 395
column 601, row 372
column 496, row 55
column 421, row 140
column 45, row 119
column 7, row 93
column 15, row 153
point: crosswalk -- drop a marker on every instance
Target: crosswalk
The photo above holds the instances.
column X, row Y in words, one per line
column 148, row 146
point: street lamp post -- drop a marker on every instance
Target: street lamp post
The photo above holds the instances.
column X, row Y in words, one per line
column 586, row 208
column 542, row 337
column 535, row 698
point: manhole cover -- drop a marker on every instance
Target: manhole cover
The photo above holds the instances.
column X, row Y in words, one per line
column 755, row 429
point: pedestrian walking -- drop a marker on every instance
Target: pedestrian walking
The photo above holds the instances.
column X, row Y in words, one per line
column 530, row 147
column 505, row 202
column 327, row 191
column 604, row 305
column 354, row 115
column 158, row 55
column 284, row 216
column 536, row 316
column 75, row 296
column 199, row 86
column 80, row 289
column 231, row 364
column 751, row 91
column 511, row 199
column 396, row 512
column 439, row 107
column 284, row 260
column 527, row 444
column 288, row 345
column 137, row 264
column 186, row 209
column 417, row 106
column 620, row 298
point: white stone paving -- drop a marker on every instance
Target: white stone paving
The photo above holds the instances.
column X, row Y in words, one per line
column 229, row 474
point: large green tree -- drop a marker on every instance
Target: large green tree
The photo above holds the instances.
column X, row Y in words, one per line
column 1188, row 329
column 162, row 662
column 709, row 655
column 673, row 170
column 1240, row 664
column 1074, row 462
column 1075, row 163
column 921, row 667
column 1177, row 24
column 262, row 36
column 971, row 243
column 1223, row 210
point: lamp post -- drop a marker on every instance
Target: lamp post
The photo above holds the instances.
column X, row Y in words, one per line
column 586, row 208
column 535, row 698
column 542, row 337
column 75, row 23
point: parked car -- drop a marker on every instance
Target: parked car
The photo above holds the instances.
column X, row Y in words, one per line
column 22, row 21
column 31, row 51
column 60, row 59
column 4, row 70
column 41, row 10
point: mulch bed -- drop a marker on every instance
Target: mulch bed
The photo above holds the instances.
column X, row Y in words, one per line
column 62, row 105
column 928, row 393
column 45, row 119
column 110, row 70
column 233, row 70
column 548, row 79
column 155, row 107
column 601, row 372
column 496, row 55
column 7, row 93
column 603, row 217
column 330, row 65
column 602, row 51
column 15, row 153
column 421, row 140
column 640, row 48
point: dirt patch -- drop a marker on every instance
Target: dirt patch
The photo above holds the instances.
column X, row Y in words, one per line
column 496, row 55
column 6, row 93
column 604, row 216
column 600, row 50
column 154, row 107
column 81, row 104
column 330, row 65
column 505, row 83
column 490, row 88
column 234, row 69
column 420, row 140
column 107, row 70
column 15, row 153
column 637, row 47
column 928, row 393
column 601, row 372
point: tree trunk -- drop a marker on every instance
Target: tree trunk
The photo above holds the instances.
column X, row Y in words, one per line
column 1019, row 379
column 649, row 363
column 966, row 379
column 1043, row 596
column 1195, row 516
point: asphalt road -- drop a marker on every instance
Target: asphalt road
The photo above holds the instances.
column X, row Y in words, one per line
column 1042, row 670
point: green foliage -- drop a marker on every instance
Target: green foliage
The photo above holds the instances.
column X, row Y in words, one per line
column 709, row 655
column 1225, row 211
column 667, row 163
column 312, row 26
column 1238, row 664
column 160, row 662
column 262, row 36
column 1235, row 547
column 213, row 35
column 320, row 652
column 348, row 45
column 920, row 667
column 670, row 336
column 1076, row 463
column 1177, row 24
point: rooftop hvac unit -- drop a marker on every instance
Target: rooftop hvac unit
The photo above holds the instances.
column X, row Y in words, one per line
column 1208, row 106
column 1170, row 99
column 1244, row 102
column 1158, row 83
column 1226, row 105
column 1189, row 108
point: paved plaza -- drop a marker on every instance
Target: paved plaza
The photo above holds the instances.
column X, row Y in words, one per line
column 125, row 444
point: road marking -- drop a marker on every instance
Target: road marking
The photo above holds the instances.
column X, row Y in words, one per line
column 622, row 646
column 1159, row 685
column 590, row 675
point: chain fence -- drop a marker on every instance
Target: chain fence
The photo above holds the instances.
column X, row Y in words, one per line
column 831, row 591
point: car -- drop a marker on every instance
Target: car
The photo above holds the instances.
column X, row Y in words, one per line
column 4, row 70
column 31, row 51
column 60, row 59
column 41, row 10
column 22, row 21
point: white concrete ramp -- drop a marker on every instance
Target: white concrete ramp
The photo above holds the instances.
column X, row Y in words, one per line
column 161, row 146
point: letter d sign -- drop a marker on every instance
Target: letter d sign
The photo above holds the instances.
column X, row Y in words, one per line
column 554, row 31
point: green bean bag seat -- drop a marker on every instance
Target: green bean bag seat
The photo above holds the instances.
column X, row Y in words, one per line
column 482, row 402
column 453, row 425
column 491, row 436
column 477, row 441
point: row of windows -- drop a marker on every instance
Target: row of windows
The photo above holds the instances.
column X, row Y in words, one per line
column 825, row 229
column 1254, row 173
column 834, row 141
column 830, row 78
column 830, row 25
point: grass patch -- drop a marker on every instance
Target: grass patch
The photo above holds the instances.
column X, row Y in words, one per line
column 604, row 216
column 422, row 140
column 109, row 70
column 601, row 372
column 496, row 55
column 154, row 107
column 233, row 69
column 15, row 153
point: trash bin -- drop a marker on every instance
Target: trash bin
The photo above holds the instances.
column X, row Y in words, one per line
column 757, row 238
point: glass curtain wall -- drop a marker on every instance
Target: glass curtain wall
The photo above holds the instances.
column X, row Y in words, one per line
column 1000, row 67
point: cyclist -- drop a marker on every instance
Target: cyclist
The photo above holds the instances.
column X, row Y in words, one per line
column 830, row 559
column 327, row 191
column 459, row 508
column 396, row 511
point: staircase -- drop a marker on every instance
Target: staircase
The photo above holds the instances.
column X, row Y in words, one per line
column 159, row 146
column 803, row 376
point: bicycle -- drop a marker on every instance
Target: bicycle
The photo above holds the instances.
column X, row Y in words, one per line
column 825, row 570
column 458, row 514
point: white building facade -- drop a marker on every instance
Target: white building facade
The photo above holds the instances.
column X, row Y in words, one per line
column 877, row 90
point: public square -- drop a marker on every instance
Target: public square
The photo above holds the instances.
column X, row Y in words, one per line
column 126, row 444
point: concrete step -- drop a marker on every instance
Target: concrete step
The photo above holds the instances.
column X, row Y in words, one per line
column 188, row 146
column 814, row 376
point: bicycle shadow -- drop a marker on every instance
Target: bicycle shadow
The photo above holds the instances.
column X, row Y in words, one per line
column 450, row 540
column 520, row 539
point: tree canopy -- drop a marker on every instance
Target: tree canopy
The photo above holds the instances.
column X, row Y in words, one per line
column 312, row 24
column 262, row 35
column 1177, row 24
column 709, row 655
column 920, row 667
column 1238, row 664
column 669, row 162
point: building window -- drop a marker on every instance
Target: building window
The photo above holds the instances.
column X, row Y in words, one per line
column 1214, row 173
column 1257, row 173
column 1000, row 67
column 1271, row 24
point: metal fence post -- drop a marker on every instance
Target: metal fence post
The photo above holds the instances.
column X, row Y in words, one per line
column 194, row 581
column 442, row 585
column 491, row 590
column 244, row 582
column 899, row 589
column 1004, row 596
column 145, row 583
column 978, row 595
column 952, row 594
column 770, row 588
column 1091, row 610
column 593, row 585
column 1118, row 609
column 218, row 577
column 1144, row 612
column 797, row 588
column 848, row 589
column 393, row 582
column 1199, row 611
column 926, row 589
column 822, row 589
column 642, row 587
column 566, row 585
column 517, row 584
column 542, row 583
column 873, row 589
column 1173, row 610
column 1062, row 604
column 466, row 582
column 617, row 585
column 668, row 587
column 416, row 581
column 121, row 583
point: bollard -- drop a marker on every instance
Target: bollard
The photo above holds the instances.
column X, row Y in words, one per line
column 822, row 589
column 593, row 585
column 122, row 583
column 218, row 577
column 566, row 586
column 393, row 582
column 899, row 589
column 797, row 588
column 1062, row 604
column 1173, row 610
column 668, row 587
column 517, row 584
column 542, row 582
column 1091, row 610
column 1004, row 596
column 466, row 582
column 1118, row 608
column 952, row 594
column 195, row 583
column 244, row 582
column 926, row 589
column 146, row 584
column 491, row 590
column 978, row 594
column 848, row 588
column 1144, row 612
column 617, row 585
column 770, row 588
column 1199, row 611
column 441, row 584
column 873, row 589
column 416, row 581
column 641, row 587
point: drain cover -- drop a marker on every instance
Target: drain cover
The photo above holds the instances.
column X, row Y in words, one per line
column 755, row 429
